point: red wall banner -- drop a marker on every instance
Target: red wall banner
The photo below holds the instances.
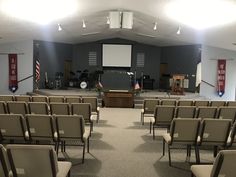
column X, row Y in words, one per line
column 221, row 73
column 13, row 82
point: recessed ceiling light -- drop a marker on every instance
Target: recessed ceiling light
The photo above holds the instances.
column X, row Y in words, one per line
column 155, row 26
column 59, row 27
column 83, row 24
column 202, row 14
column 39, row 11
column 179, row 30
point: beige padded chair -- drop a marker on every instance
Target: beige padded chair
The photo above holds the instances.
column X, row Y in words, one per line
column 25, row 98
column 36, row 161
column 56, row 99
column 94, row 105
column 231, row 103
column 231, row 142
column 39, row 98
column 149, row 106
column 13, row 127
column 185, row 103
column 38, row 108
column 227, row 113
column 4, row 163
column 218, row 103
column 83, row 109
column 223, row 166
column 206, row 112
column 3, row 109
column 41, row 128
column 183, row 131
column 163, row 116
column 72, row 99
column 6, row 98
column 185, row 111
column 201, row 103
column 168, row 102
column 18, row 107
column 71, row 131
column 60, row 108
column 214, row 133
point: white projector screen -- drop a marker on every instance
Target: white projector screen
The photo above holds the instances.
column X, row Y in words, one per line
column 115, row 55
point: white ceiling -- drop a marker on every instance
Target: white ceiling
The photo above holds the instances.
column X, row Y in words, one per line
column 95, row 13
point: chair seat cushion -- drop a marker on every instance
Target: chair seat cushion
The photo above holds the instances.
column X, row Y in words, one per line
column 63, row 168
column 201, row 170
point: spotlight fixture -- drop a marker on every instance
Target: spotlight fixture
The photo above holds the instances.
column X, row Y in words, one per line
column 108, row 20
column 83, row 24
column 179, row 31
column 155, row 26
column 59, row 27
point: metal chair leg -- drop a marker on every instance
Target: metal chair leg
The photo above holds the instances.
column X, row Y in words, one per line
column 153, row 131
column 163, row 147
column 169, row 155
column 197, row 154
column 83, row 153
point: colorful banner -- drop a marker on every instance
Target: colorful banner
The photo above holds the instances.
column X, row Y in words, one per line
column 221, row 77
column 13, row 82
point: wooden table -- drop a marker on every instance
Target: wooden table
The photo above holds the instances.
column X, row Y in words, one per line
column 118, row 98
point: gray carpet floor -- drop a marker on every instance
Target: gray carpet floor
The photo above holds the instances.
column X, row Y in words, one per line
column 121, row 147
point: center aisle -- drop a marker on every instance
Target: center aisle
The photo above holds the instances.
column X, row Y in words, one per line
column 121, row 147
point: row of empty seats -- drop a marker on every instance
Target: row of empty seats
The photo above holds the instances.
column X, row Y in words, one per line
column 31, row 161
column 196, row 132
column 57, row 130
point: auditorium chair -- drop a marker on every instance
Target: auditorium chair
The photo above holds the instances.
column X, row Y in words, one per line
column 25, row 98
column 40, row 98
column 3, row 109
column 223, row 166
column 72, row 99
column 4, row 163
column 163, row 116
column 231, row 103
column 185, row 103
column 38, row 108
column 218, row 103
column 6, row 98
column 201, row 103
column 168, row 102
column 149, row 106
column 18, row 107
column 183, row 131
column 214, row 133
column 60, row 108
column 13, row 128
column 94, row 105
column 227, row 113
column 71, row 131
column 56, row 99
column 185, row 111
column 36, row 161
column 206, row 112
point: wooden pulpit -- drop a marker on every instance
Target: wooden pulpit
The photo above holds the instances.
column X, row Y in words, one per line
column 177, row 87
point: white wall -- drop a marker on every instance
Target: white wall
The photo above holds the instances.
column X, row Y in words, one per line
column 24, row 62
column 209, row 72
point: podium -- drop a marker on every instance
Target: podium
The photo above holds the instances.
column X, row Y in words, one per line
column 177, row 85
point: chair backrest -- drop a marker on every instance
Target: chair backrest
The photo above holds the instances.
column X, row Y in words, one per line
column 231, row 103
column 6, row 98
column 38, row 108
column 164, row 114
column 70, row 127
column 41, row 127
column 4, row 163
column 3, row 109
column 232, row 137
column 83, row 109
column 185, row 111
column 215, row 131
column 32, row 160
column 39, row 99
column 227, row 113
column 149, row 105
column 72, row 99
column 184, row 130
column 60, row 108
column 168, row 102
column 218, row 103
column 18, row 107
column 56, row 99
column 185, row 103
column 206, row 112
column 201, row 103
column 25, row 98
column 12, row 126
column 224, row 164
column 93, row 102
